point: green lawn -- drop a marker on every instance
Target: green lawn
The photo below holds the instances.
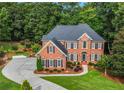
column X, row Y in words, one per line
column 91, row 81
column 6, row 84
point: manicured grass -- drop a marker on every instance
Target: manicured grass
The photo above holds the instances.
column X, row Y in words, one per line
column 6, row 84
column 91, row 81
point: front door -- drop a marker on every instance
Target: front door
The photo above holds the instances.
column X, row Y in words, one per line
column 84, row 56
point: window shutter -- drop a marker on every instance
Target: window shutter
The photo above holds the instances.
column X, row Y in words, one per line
column 48, row 49
column 71, row 45
column 61, row 63
column 53, row 49
column 47, row 63
column 71, row 57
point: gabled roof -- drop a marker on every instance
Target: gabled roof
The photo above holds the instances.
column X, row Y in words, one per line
column 72, row 33
column 59, row 45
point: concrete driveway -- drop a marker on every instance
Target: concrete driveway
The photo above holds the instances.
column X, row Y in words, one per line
column 22, row 69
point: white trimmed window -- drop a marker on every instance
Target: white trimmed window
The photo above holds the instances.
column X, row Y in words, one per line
column 75, row 57
column 44, row 62
column 75, row 45
column 84, row 44
column 51, row 49
column 51, row 61
column 68, row 45
column 72, row 57
column 92, row 57
column 98, row 57
column 93, row 45
column 99, row 45
column 59, row 62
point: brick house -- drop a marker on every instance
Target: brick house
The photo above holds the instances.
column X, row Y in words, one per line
column 75, row 43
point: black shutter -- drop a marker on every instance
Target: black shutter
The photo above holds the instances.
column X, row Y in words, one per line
column 72, row 46
column 71, row 57
column 48, row 49
column 61, row 63
column 48, row 63
column 53, row 49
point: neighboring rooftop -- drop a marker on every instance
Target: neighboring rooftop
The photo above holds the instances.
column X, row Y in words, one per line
column 72, row 32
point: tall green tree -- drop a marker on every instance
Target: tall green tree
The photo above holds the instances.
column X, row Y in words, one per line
column 4, row 24
column 117, row 59
column 39, row 64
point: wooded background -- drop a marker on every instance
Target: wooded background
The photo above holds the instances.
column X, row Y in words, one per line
column 20, row 21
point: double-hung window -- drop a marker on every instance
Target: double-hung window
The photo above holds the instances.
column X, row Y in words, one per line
column 75, row 57
column 59, row 62
column 51, row 49
column 72, row 57
column 99, row 45
column 75, row 45
column 96, row 45
column 93, row 46
column 84, row 44
column 51, row 61
column 71, row 45
column 92, row 57
column 68, row 45
column 44, row 62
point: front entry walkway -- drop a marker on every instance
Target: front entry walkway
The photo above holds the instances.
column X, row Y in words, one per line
column 20, row 69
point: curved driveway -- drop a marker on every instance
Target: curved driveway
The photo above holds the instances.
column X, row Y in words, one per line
column 22, row 69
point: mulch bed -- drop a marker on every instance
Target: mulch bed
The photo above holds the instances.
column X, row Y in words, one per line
column 115, row 79
column 55, row 72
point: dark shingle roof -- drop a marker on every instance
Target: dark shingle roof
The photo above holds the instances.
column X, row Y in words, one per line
column 72, row 32
column 59, row 45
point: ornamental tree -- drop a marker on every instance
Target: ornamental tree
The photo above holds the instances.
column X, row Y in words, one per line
column 39, row 64
column 26, row 85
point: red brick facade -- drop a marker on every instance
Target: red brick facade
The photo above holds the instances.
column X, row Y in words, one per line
column 88, row 53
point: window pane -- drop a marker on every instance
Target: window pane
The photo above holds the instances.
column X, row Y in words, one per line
column 58, row 62
column 72, row 45
column 96, row 45
column 75, row 57
column 75, row 45
column 84, row 44
column 92, row 57
column 93, row 45
column 68, row 45
column 99, row 45
column 51, row 49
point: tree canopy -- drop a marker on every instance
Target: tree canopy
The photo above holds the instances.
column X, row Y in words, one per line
column 20, row 21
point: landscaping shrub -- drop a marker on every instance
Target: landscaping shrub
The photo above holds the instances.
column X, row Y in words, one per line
column 2, row 53
column 26, row 85
column 35, row 47
column 91, row 64
column 55, row 69
column 71, row 67
column 78, row 63
column 1, row 61
column 27, row 43
column 22, row 42
column 62, row 69
column 58, row 71
column 14, row 47
column 46, row 69
column 77, row 69
column 51, row 71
